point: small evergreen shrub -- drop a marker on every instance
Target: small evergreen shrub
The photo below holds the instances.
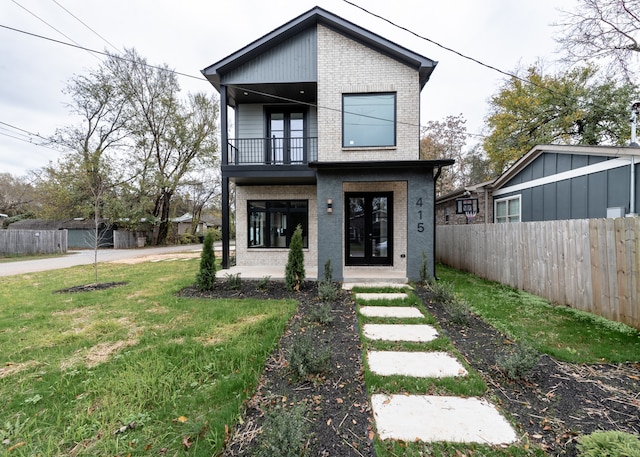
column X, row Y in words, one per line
column 518, row 364
column 458, row 311
column 424, row 278
column 306, row 358
column 263, row 284
column 285, row 433
column 294, row 270
column 327, row 291
column 234, row 282
column 610, row 443
column 206, row 277
column 321, row 314
column 328, row 271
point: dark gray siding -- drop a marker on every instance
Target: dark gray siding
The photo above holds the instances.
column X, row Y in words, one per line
column 295, row 60
column 582, row 197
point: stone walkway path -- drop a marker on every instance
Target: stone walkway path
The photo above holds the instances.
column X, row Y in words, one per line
column 428, row 418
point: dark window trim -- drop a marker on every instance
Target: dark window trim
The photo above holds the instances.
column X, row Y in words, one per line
column 290, row 228
column 395, row 119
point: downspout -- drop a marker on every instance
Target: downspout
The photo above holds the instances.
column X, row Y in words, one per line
column 433, row 255
column 632, row 188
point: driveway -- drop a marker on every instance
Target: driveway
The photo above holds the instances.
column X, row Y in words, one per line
column 86, row 257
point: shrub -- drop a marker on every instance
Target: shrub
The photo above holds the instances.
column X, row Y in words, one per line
column 458, row 312
column 424, row 278
column 263, row 284
column 284, row 433
column 294, row 270
column 306, row 358
column 327, row 291
column 234, row 282
column 206, row 277
column 328, row 271
column 610, row 443
column 321, row 314
column 517, row 364
column 441, row 291
column 187, row 238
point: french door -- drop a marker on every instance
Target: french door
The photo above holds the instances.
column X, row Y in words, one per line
column 369, row 228
column 286, row 136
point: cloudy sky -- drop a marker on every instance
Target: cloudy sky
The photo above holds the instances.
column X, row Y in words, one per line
column 189, row 35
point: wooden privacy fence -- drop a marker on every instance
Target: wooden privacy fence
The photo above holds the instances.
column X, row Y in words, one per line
column 589, row 264
column 16, row 242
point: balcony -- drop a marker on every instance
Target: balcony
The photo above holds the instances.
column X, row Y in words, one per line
column 272, row 151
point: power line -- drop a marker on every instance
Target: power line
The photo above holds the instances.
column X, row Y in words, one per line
column 47, row 24
column 25, row 133
column 83, row 23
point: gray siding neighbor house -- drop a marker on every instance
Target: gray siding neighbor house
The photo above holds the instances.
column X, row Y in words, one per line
column 326, row 120
column 555, row 182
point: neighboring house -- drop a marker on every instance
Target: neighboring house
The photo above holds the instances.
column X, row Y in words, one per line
column 80, row 232
column 556, row 182
column 326, row 119
column 184, row 225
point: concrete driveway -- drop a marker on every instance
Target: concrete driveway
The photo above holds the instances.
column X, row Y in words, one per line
column 86, row 257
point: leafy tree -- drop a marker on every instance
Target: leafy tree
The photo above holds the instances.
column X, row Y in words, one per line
column 206, row 277
column 171, row 136
column 569, row 108
column 16, row 194
column 294, row 270
column 603, row 31
column 447, row 139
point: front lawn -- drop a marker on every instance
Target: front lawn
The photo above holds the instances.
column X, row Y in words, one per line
column 129, row 370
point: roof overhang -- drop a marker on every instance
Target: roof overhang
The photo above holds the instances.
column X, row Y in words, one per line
column 383, row 165
column 317, row 15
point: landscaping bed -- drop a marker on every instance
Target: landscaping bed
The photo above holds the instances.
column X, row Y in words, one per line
column 551, row 406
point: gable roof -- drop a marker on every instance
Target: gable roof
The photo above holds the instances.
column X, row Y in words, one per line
column 311, row 18
column 536, row 151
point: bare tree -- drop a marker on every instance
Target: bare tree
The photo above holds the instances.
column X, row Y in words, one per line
column 603, row 30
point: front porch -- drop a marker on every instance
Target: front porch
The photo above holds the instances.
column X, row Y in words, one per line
column 350, row 274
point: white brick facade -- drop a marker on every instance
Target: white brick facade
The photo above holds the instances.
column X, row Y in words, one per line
column 346, row 66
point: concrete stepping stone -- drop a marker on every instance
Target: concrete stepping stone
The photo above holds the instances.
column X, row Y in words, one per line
column 400, row 332
column 440, row 418
column 381, row 296
column 400, row 312
column 416, row 364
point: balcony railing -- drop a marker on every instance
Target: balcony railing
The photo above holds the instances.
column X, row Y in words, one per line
column 272, row 151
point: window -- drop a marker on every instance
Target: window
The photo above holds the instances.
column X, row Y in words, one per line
column 508, row 209
column 368, row 120
column 272, row 222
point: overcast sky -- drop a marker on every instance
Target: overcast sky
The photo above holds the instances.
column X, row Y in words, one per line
column 189, row 35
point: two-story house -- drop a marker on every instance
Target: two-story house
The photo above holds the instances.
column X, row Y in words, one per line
column 326, row 121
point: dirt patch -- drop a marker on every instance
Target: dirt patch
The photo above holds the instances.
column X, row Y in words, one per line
column 13, row 368
column 91, row 287
column 159, row 258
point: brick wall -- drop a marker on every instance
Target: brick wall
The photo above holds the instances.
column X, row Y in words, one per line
column 345, row 66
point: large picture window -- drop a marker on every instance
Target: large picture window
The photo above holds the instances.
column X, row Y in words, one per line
column 272, row 222
column 368, row 120
column 508, row 209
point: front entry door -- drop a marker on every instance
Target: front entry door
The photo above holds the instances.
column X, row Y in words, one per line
column 369, row 228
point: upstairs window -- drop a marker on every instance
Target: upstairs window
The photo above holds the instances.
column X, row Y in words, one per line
column 508, row 209
column 368, row 120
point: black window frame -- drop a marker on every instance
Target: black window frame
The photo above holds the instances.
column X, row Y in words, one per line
column 272, row 207
column 395, row 120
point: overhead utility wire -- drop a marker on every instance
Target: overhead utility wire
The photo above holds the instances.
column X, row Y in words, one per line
column 83, row 23
column 48, row 25
column 101, row 52
column 446, row 48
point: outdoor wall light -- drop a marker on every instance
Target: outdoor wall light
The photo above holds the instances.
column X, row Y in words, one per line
column 329, row 205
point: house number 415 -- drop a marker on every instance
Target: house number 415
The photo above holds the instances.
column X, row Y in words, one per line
column 420, row 224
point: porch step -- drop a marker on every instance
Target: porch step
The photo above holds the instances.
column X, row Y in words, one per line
column 395, row 284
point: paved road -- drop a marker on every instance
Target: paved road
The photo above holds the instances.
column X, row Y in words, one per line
column 86, row 257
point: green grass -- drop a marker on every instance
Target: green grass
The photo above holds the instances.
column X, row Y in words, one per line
column 132, row 370
column 564, row 333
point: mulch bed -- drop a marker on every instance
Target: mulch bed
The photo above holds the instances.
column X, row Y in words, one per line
column 554, row 404
column 91, row 287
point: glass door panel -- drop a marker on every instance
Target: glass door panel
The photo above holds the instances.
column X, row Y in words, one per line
column 369, row 228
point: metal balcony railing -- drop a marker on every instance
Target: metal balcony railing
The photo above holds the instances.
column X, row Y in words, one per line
column 272, row 151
